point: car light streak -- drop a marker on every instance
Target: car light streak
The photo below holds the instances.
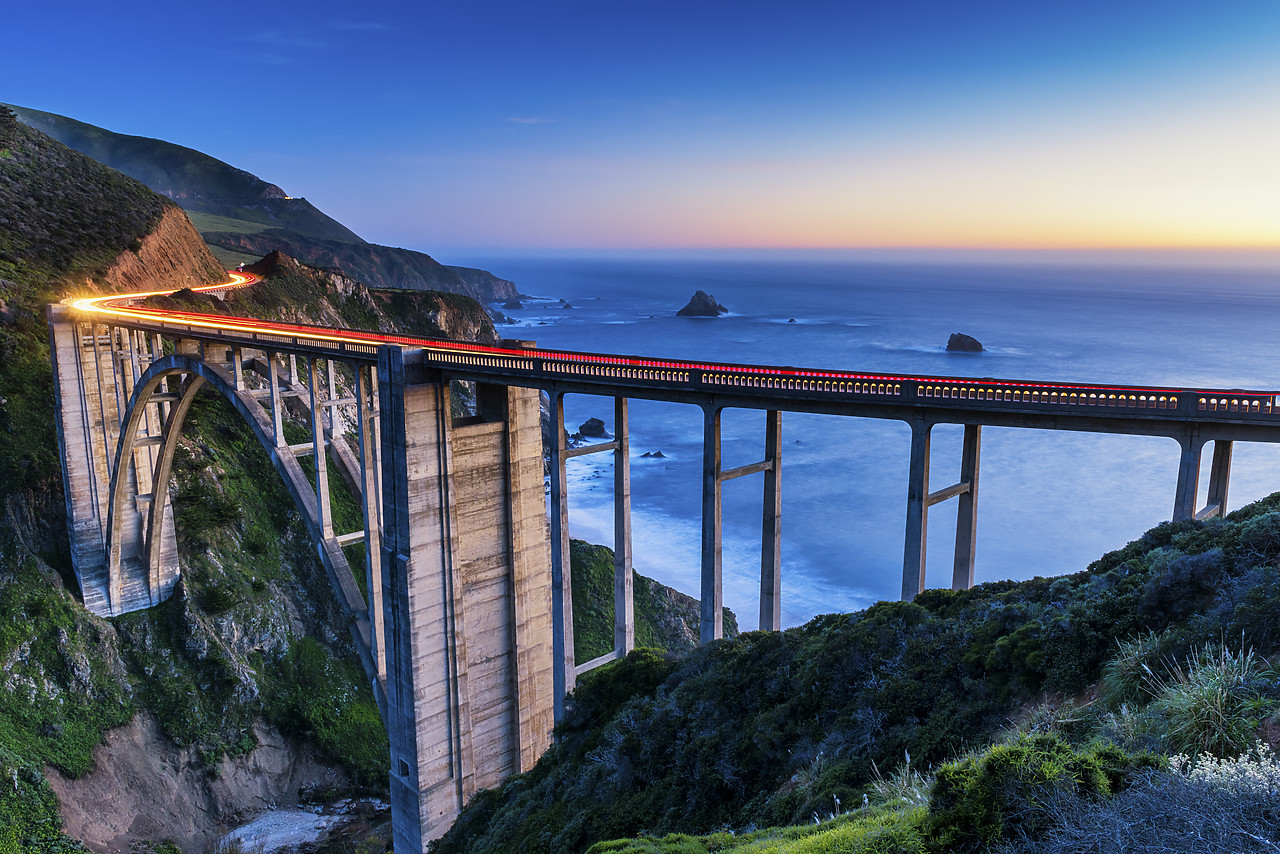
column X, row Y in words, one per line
column 123, row 306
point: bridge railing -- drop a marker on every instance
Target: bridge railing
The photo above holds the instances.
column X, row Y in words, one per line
column 538, row 367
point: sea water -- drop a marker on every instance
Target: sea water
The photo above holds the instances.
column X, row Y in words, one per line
column 1050, row 501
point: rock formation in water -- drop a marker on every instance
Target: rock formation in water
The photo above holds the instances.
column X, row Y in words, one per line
column 702, row 304
column 593, row 428
column 961, row 343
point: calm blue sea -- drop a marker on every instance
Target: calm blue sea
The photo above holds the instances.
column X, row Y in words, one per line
column 1050, row 501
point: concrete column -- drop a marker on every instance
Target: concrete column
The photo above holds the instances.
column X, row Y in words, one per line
column 771, row 526
column 237, row 367
column 324, row 512
column 77, row 436
column 367, row 440
column 277, row 410
column 712, row 531
column 917, row 512
column 967, row 512
column 1184, row 502
column 1220, row 476
column 561, row 577
column 624, row 620
column 424, row 721
column 530, row 582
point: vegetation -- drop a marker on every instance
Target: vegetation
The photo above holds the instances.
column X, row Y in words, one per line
column 194, row 179
column 777, row 730
column 665, row 619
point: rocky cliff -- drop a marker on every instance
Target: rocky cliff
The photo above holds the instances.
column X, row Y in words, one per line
column 172, row 254
column 376, row 266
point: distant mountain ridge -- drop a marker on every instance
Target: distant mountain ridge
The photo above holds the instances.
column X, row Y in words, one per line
column 241, row 215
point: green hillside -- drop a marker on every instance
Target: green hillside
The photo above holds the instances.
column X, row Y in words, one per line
column 1062, row 705
column 243, row 217
column 195, row 180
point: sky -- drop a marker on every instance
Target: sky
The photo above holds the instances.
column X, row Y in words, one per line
column 479, row 126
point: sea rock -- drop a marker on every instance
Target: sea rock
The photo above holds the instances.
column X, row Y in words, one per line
column 656, row 455
column 961, row 343
column 594, row 429
column 702, row 304
column 513, row 303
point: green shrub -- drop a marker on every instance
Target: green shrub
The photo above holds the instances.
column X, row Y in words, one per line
column 311, row 691
column 1001, row 794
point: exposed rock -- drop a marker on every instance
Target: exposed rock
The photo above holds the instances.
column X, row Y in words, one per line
column 593, row 428
column 961, row 343
column 144, row 787
column 656, row 455
column 484, row 282
column 513, row 304
column 568, row 305
column 172, row 254
column 702, row 304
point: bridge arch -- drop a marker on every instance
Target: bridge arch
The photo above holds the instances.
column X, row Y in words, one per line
column 196, row 373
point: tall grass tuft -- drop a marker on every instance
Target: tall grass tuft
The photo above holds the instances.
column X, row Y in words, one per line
column 1124, row 678
column 1209, row 701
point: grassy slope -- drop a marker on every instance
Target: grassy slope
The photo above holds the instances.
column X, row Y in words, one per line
column 664, row 618
column 202, row 183
column 774, row 729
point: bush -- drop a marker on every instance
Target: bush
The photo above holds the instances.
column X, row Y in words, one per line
column 1000, row 795
column 1200, row 806
column 311, row 691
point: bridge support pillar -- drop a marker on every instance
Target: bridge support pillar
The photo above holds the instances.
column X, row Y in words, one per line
column 771, row 526
column 913, row 554
column 1184, row 501
column 561, row 577
column 1219, row 480
column 624, row 609
column 920, row 499
column 712, row 622
column 466, row 597
column 967, row 512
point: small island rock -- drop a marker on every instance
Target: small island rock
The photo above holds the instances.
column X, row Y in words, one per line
column 513, row 303
column 702, row 304
column 961, row 343
column 594, row 429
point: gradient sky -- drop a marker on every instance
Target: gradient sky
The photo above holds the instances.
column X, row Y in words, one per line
column 458, row 127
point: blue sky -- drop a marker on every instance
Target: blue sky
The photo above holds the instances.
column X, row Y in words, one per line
column 566, row 125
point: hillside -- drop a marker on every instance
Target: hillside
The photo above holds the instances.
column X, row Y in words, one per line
column 244, row 217
column 242, row 690
column 191, row 178
column 1060, row 700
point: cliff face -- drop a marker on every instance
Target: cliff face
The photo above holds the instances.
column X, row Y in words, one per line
column 301, row 293
column 172, row 255
column 145, row 787
column 376, row 266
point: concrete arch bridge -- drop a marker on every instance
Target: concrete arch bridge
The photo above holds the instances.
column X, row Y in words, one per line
column 466, row 633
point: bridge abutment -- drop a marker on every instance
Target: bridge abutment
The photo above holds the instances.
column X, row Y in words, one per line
column 466, row 596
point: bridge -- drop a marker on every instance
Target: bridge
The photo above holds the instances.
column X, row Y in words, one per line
column 466, row 627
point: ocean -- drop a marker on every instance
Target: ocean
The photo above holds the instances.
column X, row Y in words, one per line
column 1050, row 502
